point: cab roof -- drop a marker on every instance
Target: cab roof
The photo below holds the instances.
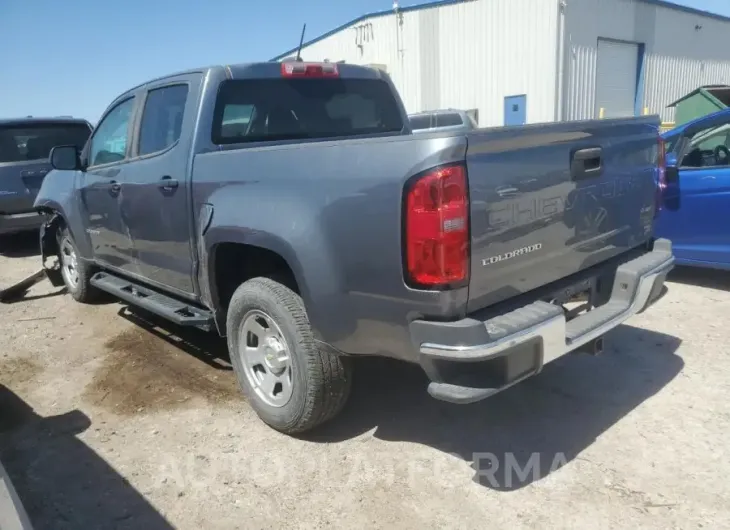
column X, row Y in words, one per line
column 29, row 120
column 262, row 70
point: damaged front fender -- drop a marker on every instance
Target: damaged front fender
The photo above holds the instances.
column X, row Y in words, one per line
column 49, row 249
column 50, row 263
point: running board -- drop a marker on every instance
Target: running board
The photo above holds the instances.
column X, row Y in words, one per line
column 162, row 305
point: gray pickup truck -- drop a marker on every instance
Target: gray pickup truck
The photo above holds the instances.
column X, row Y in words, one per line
column 288, row 207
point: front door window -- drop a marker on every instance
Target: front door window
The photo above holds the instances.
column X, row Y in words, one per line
column 109, row 143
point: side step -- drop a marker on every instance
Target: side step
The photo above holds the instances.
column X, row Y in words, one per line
column 162, row 305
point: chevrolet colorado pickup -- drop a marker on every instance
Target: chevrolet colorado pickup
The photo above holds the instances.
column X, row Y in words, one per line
column 289, row 208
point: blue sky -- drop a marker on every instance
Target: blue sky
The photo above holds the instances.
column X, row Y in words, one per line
column 75, row 56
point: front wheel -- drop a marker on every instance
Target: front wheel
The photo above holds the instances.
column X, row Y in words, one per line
column 76, row 273
column 290, row 380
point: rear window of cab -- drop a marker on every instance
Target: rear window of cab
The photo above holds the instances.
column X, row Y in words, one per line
column 256, row 110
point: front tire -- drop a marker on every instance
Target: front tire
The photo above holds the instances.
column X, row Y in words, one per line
column 290, row 380
column 76, row 273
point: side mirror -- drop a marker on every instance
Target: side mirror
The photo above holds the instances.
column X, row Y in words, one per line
column 65, row 157
column 672, row 171
column 672, row 175
column 671, row 193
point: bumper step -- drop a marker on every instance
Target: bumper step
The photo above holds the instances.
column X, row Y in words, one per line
column 461, row 395
column 176, row 311
column 524, row 340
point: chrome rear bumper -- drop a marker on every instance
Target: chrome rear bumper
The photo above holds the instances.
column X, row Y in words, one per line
column 539, row 332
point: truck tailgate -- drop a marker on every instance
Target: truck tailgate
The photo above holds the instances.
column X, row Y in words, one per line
column 550, row 200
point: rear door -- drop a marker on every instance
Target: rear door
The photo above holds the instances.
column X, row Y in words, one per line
column 24, row 150
column 550, row 200
column 695, row 206
column 155, row 204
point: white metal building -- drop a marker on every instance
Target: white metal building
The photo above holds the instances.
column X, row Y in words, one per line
column 528, row 61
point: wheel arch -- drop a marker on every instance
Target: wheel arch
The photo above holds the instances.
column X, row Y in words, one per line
column 232, row 258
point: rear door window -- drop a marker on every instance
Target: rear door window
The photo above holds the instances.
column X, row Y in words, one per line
column 448, row 120
column 420, row 122
column 162, row 118
column 258, row 110
column 34, row 141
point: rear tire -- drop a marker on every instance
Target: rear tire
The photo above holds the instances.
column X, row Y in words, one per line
column 76, row 273
column 272, row 347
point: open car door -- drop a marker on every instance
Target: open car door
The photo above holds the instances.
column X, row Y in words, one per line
column 697, row 195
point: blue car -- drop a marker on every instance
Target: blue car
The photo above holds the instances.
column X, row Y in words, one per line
column 696, row 196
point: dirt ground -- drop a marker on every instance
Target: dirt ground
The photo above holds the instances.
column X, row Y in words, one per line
column 112, row 420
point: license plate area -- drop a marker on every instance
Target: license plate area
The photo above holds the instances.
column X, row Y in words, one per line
column 576, row 298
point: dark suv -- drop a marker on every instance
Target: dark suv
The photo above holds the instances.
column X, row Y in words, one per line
column 24, row 147
column 442, row 120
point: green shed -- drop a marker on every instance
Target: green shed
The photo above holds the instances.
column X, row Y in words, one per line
column 701, row 102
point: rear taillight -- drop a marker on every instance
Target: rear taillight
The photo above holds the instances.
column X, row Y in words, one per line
column 300, row 69
column 436, row 228
column 661, row 169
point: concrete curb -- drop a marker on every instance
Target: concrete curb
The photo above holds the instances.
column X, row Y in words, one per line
column 12, row 512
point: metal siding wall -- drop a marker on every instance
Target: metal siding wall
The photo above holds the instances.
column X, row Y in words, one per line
column 430, row 59
column 379, row 40
column 490, row 49
column 469, row 55
column 677, row 58
column 683, row 58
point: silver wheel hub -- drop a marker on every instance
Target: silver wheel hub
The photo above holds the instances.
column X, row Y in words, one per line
column 265, row 358
column 276, row 356
column 69, row 263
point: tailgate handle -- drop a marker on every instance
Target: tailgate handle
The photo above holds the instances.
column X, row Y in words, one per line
column 586, row 163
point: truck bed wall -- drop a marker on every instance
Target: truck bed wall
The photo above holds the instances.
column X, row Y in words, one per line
column 332, row 210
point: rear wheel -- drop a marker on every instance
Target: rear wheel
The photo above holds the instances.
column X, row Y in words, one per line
column 76, row 273
column 291, row 382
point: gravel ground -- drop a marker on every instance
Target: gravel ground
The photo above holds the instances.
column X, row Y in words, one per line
column 112, row 420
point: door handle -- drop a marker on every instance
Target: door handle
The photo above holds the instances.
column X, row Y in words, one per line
column 114, row 187
column 586, row 163
column 168, row 183
column 507, row 191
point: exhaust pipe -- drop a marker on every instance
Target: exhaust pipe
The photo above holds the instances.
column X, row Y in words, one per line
column 593, row 347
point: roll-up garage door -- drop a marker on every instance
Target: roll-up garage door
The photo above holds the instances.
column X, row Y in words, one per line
column 616, row 72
